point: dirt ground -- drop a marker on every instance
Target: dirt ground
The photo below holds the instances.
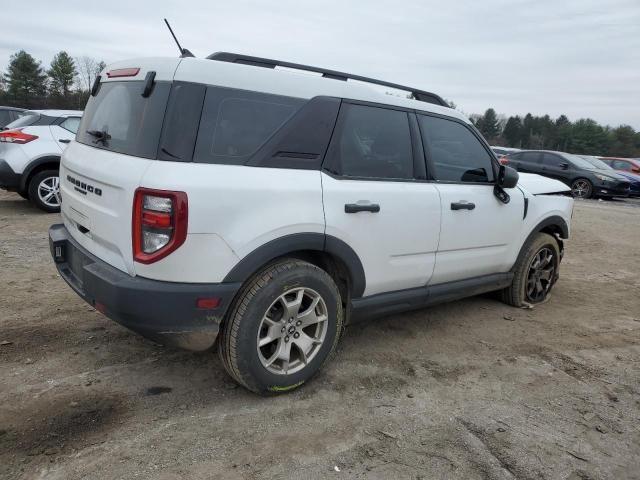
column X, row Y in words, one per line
column 472, row 389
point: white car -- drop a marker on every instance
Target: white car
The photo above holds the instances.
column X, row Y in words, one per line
column 231, row 200
column 30, row 151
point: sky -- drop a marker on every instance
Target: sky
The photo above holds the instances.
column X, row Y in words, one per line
column 579, row 58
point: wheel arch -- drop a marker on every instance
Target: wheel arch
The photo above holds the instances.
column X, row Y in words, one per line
column 325, row 251
column 36, row 166
column 555, row 225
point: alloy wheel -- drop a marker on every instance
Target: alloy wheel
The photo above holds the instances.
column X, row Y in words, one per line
column 581, row 189
column 292, row 331
column 49, row 191
column 541, row 274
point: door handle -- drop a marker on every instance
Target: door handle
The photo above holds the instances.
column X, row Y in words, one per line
column 361, row 207
column 64, row 140
column 462, row 206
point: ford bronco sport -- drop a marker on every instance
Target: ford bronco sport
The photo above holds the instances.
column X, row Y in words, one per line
column 264, row 205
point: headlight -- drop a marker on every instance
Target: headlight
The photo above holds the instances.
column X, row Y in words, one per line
column 604, row 178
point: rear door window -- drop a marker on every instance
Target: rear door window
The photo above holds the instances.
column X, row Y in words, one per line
column 371, row 142
column 71, row 124
column 121, row 120
column 530, row 157
column 455, row 152
column 235, row 123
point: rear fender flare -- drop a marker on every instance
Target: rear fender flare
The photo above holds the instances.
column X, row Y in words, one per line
column 33, row 165
column 301, row 242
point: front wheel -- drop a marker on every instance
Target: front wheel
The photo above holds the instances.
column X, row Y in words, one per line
column 284, row 325
column 44, row 191
column 536, row 272
column 582, row 188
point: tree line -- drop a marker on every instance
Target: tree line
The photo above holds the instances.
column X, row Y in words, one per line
column 583, row 137
column 65, row 84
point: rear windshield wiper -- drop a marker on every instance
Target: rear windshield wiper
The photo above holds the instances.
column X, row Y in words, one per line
column 101, row 136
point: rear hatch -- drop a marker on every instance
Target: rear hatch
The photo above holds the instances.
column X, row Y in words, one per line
column 117, row 140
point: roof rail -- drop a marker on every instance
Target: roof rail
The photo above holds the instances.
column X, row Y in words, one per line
column 420, row 95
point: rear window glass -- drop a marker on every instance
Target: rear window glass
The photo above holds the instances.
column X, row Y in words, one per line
column 121, row 120
column 26, row 119
column 235, row 123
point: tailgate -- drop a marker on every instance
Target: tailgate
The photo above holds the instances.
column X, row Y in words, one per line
column 97, row 200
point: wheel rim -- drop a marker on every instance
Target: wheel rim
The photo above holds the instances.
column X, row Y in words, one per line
column 292, row 331
column 49, row 191
column 541, row 274
column 581, row 188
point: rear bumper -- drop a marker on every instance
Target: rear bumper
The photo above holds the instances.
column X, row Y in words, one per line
column 9, row 180
column 165, row 312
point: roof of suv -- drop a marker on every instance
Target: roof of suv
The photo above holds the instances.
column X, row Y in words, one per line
column 58, row 113
column 278, row 79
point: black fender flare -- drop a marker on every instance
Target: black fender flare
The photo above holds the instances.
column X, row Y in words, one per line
column 552, row 221
column 33, row 165
column 298, row 242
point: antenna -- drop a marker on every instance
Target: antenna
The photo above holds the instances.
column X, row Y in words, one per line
column 183, row 51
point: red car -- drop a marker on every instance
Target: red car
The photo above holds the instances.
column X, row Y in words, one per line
column 627, row 164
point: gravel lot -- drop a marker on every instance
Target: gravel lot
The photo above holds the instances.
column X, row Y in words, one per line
column 472, row 389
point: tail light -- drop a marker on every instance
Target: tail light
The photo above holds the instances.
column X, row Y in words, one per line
column 159, row 223
column 503, row 161
column 16, row 136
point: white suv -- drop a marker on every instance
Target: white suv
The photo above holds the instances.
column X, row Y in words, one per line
column 30, row 150
column 266, row 205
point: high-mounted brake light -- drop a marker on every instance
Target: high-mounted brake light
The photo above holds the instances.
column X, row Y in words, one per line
column 16, row 136
column 123, row 72
column 159, row 223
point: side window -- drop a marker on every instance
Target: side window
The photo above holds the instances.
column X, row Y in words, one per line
column 371, row 142
column 235, row 123
column 553, row 160
column 530, row 157
column 620, row 165
column 71, row 124
column 456, row 153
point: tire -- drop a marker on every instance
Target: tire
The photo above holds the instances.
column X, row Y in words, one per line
column 258, row 313
column 582, row 188
column 518, row 293
column 43, row 184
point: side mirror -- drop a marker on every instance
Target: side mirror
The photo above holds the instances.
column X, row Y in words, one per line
column 507, row 177
column 564, row 166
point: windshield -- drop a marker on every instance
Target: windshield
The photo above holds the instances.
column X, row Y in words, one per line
column 26, row 119
column 579, row 162
column 596, row 162
column 121, row 120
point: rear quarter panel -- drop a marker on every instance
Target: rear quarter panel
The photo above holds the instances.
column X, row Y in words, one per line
column 233, row 210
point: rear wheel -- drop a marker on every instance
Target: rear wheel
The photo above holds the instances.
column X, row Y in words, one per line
column 582, row 188
column 535, row 273
column 284, row 325
column 44, row 191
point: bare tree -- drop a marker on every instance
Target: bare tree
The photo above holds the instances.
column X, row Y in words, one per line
column 88, row 69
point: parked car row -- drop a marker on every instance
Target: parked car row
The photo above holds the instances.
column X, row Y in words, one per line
column 30, row 151
column 588, row 176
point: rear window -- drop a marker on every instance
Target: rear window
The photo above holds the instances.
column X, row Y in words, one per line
column 26, row 119
column 121, row 120
column 235, row 123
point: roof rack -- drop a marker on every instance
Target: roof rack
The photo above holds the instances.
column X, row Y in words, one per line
column 420, row 95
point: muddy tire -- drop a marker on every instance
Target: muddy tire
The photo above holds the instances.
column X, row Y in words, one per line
column 535, row 272
column 282, row 328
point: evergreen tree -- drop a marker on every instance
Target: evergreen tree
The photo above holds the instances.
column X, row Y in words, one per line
column 527, row 130
column 62, row 74
column 513, row 132
column 26, row 81
column 488, row 125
